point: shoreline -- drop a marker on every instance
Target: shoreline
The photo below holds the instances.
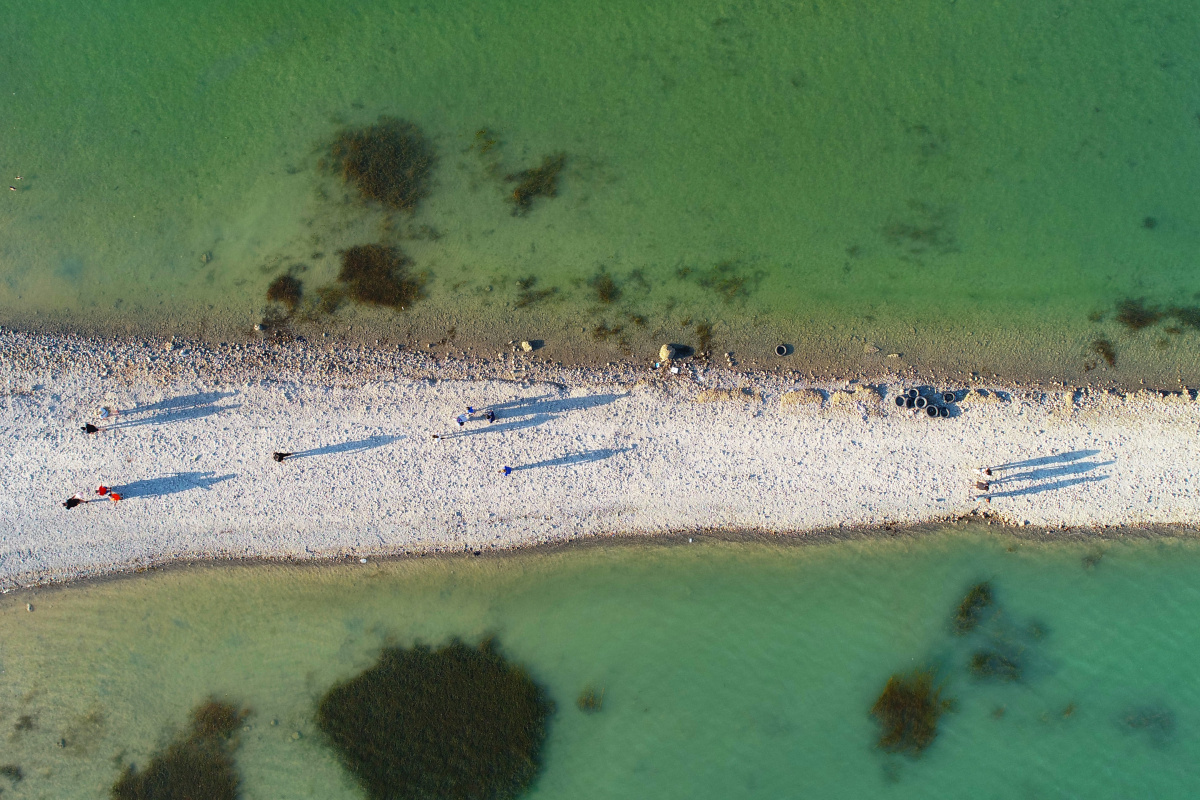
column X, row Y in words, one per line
column 628, row 451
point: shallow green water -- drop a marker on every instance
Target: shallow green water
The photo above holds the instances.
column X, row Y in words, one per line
column 959, row 182
column 728, row 670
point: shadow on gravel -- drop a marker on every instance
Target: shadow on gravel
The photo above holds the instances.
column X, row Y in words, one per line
column 370, row 443
column 1045, row 474
column 176, row 409
column 533, row 411
column 1048, row 487
column 173, row 483
column 571, row 459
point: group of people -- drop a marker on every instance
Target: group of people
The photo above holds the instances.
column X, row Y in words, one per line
column 78, row 499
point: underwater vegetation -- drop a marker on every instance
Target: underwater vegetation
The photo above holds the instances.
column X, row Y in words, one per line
column 197, row 765
column 1156, row 722
column 527, row 295
column 390, row 162
column 285, row 289
column 606, row 290
column 1135, row 315
column 908, row 710
column 590, row 702
column 970, row 611
column 456, row 722
column 540, row 181
column 990, row 664
column 727, row 280
column 12, row 772
column 378, row 274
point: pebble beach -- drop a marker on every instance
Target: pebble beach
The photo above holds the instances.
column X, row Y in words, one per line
column 189, row 432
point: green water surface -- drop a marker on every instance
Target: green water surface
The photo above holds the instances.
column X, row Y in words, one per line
column 727, row 669
column 965, row 184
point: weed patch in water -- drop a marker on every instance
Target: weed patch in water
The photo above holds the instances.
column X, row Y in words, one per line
column 730, row 282
column 13, row 773
column 285, row 289
column 1156, row 722
column 456, row 722
column 199, row 764
column 390, row 162
column 606, row 290
column 528, row 295
column 1134, row 314
column 971, row 610
column 378, row 274
column 908, row 709
column 989, row 664
column 541, row 181
column 589, row 701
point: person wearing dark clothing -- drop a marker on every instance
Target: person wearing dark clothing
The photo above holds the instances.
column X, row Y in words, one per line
column 491, row 416
column 280, row 456
column 90, row 428
column 73, row 501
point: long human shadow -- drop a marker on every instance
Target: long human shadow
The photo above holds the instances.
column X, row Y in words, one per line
column 370, row 443
column 173, row 483
column 531, row 412
column 175, row 409
column 1042, row 461
column 1052, row 472
column 572, row 459
column 1048, row 487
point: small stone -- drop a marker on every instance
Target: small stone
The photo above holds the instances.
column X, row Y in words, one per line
column 295, row 736
column 258, row 326
column 29, row 606
column 206, row 257
column 870, row 349
column 527, row 347
column 894, row 355
column 666, row 352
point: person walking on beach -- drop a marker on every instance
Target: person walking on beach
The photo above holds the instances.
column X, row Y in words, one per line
column 76, row 499
column 281, row 456
column 507, row 470
column 89, row 428
column 104, row 491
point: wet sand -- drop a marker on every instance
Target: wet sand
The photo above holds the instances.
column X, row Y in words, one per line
column 634, row 450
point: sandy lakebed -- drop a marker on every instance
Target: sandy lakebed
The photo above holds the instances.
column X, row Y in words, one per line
column 633, row 450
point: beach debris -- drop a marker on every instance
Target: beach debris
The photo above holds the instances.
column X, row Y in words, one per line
column 782, row 350
column 527, row 347
column 666, row 352
column 455, row 722
column 589, row 701
column 743, row 395
column 971, row 609
column 803, row 397
column 390, row 162
column 198, row 764
column 908, row 710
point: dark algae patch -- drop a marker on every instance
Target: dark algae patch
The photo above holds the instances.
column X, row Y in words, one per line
column 908, row 710
column 989, row 664
column 198, row 765
column 285, row 289
column 972, row 608
column 590, row 701
column 390, row 162
column 379, row 275
column 1135, row 314
column 541, row 181
column 1105, row 349
column 456, row 722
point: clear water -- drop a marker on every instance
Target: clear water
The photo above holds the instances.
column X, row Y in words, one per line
column 728, row 669
column 960, row 183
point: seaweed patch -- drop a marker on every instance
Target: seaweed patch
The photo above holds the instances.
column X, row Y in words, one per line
column 972, row 608
column 199, row 764
column 390, row 162
column 456, row 722
column 908, row 710
column 540, row 181
column 378, row 274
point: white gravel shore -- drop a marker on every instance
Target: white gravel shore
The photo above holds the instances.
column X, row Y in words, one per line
column 634, row 451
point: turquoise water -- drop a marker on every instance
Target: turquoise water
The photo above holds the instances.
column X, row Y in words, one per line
column 967, row 185
column 727, row 669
